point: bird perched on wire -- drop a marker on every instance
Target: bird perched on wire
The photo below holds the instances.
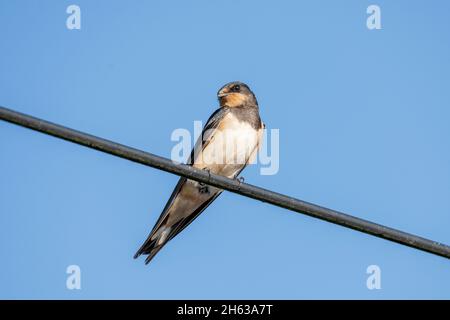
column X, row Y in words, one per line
column 229, row 142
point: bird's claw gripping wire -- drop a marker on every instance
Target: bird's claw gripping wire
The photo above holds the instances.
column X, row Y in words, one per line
column 203, row 187
column 240, row 180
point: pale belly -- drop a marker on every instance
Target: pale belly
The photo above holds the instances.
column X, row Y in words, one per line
column 227, row 153
column 230, row 149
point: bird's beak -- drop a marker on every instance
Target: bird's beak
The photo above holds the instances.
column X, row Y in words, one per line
column 222, row 94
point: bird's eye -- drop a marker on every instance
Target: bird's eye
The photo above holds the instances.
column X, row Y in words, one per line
column 236, row 88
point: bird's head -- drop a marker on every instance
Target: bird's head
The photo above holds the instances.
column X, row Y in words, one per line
column 235, row 94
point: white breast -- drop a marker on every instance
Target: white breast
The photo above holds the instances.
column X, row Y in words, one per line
column 230, row 148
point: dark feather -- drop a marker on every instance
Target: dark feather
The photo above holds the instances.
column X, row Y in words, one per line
column 152, row 249
column 149, row 247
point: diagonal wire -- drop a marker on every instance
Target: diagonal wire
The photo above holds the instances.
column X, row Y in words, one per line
column 232, row 185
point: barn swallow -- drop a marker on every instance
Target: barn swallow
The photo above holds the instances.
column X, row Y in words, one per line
column 229, row 141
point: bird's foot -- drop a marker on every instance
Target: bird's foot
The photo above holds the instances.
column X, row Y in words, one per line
column 203, row 187
column 240, row 180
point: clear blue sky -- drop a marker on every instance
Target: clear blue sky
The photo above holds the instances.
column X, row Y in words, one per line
column 364, row 128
